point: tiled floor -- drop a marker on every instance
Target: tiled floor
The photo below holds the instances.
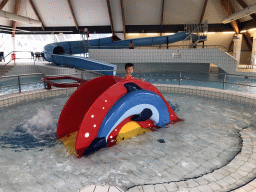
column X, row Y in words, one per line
column 229, row 177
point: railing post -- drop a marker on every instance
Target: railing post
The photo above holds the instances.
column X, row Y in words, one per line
column 19, row 84
column 180, row 79
column 81, row 74
column 224, row 79
column 44, row 82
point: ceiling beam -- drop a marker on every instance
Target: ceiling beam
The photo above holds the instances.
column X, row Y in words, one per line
column 227, row 6
column 162, row 17
column 123, row 17
column 246, row 35
column 244, row 5
column 110, row 17
column 203, row 11
column 230, row 45
column 3, row 3
column 37, row 15
column 248, row 40
column 16, row 10
column 73, row 14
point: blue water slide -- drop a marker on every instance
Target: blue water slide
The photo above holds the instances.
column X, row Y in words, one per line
column 61, row 53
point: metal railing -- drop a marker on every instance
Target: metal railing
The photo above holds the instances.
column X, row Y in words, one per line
column 17, row 58
column 140, row 75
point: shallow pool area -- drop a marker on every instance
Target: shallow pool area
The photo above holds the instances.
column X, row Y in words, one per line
column 202, row 150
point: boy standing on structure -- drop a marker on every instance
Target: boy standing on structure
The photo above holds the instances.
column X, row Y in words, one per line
column 129, row 71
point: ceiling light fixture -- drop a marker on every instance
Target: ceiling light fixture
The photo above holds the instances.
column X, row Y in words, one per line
column 228, row 32
column 169, row 33
column 133, row 34
column 152, row 33
column 246, row 11
column 19, row 18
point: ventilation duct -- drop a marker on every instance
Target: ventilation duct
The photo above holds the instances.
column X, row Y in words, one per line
column 19, row 18
column 246, row 11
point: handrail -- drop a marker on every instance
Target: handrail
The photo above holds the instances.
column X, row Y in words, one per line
column 21, row 75
column 190, row 34
column 16, row 58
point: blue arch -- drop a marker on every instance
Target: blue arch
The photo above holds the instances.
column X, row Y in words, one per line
column 133, row 103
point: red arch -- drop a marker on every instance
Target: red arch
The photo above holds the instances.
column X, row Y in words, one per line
column 79, row 103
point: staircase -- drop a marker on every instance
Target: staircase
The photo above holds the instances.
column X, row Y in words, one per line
column 197, row 33
column 4, row 69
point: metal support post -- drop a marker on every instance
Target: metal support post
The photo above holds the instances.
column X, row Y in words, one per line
column 180, row 79
column 19, row 84
column 224, row 79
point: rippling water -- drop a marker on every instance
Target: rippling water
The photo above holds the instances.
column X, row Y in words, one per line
column 32, row 159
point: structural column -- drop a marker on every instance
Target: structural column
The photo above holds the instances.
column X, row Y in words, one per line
column 14, row 46
column 253, row 56
column 237, row 47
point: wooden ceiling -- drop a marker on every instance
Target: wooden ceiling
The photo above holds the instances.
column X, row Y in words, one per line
column 124, row 16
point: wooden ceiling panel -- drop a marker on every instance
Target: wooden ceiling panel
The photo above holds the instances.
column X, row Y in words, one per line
column 54, row 12
column 91, row 12
column 183, row 11
column 143, row 12
column 26, row 11
column 214, row 12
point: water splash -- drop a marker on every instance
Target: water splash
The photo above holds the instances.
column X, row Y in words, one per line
column 173, row 105
column 40, row 124
column 38, row 131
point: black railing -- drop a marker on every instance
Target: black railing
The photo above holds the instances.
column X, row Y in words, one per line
column 140, row 74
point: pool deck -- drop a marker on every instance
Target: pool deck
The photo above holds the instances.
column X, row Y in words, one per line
column 245, row 68
column 232, row 177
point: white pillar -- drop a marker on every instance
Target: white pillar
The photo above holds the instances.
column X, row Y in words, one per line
column 237, row 47
column 60, row 37
column 14, row 46
column 253, row 56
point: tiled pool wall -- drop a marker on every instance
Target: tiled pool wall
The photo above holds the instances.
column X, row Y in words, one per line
column 211, row 93
column 11, row 99
column 47, row 70
column 220, row 58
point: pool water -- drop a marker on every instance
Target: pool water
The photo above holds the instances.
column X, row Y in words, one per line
column 10, row 85
column 201, row 80
column 33, row 160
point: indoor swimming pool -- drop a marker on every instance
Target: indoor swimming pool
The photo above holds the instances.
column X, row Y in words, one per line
column 208, row 140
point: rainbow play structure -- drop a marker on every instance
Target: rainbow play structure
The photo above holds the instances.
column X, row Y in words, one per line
column 107, row 110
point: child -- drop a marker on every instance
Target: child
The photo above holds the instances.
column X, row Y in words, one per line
column 129, row 71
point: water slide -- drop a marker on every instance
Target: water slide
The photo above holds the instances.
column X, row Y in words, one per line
column 62, row 53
